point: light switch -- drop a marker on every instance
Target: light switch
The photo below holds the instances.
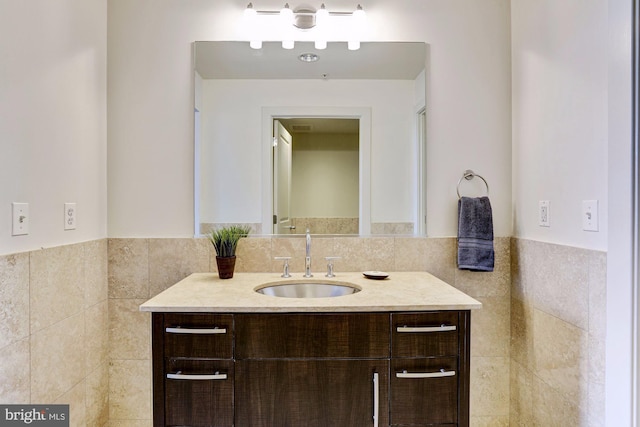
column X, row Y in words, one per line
column 20, row 224
column 590, row 215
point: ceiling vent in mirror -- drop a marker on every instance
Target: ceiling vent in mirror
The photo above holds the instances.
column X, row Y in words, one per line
column 305, row 18
column 301, row 128
column 308, row 57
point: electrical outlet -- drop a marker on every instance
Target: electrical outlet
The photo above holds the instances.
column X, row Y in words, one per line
column 544, row 212
column 590, row 215
column 20, row 214
column 70, row 216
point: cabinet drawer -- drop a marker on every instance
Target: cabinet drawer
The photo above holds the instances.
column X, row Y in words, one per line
column 267, row 336
column 199, row 393
column 198, row 335
column 424, row 391
column 425, row 334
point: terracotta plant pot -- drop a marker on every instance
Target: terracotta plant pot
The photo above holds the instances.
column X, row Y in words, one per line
column 226, row 265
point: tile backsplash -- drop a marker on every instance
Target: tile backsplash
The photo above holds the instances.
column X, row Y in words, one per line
column 141, row 268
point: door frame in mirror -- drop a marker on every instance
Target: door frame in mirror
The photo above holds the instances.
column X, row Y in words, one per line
column 362, row 114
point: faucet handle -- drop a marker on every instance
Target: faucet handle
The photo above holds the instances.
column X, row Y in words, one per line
column 330, row 260
column 285, row 265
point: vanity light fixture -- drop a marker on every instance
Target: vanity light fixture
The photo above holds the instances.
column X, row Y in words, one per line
column 303, row 19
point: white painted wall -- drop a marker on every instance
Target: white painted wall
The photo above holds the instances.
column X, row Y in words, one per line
column 232, row 141
column 53, row 119
column 559, row 52
column 151, row 98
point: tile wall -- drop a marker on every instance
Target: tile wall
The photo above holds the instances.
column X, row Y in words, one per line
column 141, row 268
column 71, row 332
column 54, row 330
column 558, row 320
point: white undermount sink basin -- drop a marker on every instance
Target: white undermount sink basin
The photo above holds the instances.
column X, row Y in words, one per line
column 308, row 290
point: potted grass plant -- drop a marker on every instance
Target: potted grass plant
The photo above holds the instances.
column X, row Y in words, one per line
column 225, row 241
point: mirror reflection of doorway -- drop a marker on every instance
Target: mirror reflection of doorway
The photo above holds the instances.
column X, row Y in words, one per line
column 323, row 193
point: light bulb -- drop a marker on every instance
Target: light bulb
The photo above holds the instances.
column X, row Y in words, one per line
column 250, row 12
column 322, row 15
column 286, row 15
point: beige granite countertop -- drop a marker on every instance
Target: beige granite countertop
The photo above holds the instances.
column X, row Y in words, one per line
column 401, row 291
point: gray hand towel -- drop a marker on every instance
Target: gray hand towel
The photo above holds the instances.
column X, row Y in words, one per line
column 475, row 234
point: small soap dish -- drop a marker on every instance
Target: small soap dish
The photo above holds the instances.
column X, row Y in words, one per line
column 375, row 275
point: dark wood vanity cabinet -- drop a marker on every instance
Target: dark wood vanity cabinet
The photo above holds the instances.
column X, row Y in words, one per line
column 310, row 369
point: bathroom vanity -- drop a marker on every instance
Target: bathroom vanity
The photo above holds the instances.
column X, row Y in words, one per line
column 394, row 353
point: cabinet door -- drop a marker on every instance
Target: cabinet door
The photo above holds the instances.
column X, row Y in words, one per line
column 311, row 393
column 199, row 393
column 424, row 391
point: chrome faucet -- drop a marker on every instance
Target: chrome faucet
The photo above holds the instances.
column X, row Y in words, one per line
column 307, row 259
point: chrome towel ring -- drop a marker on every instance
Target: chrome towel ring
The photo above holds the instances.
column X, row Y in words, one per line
column 469, row 175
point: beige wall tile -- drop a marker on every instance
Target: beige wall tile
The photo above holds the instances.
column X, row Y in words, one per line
column 555, row 409
column 75, row 398
column 56, row 285
column 410, row 254
column 96, row 264
column 490, row 328
column 128, row 268
column 57, row 359
column 441, row 258
column 489, row 395
column 597, row 317
column 97, row 396
column 562, row 283
column 253, row 254
column 490, row 283
column 521, row 320
column 521, row 395
column 522, row 270
column 560, row 352
column 366, row 253
column 129, row 330
column 14, row 298
column 96, row 335
column 488, row 421
column 15, row 372
column 171, row 260
column 130, row 390
column 293, row 247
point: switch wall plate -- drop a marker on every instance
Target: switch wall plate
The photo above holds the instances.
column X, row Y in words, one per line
column 70, row 216
column 590, row 215
column 20, row 215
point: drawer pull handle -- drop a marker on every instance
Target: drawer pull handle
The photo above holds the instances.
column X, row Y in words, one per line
column 197, row 331
column 441, row 328
column 439, row 374
column 198, row 377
